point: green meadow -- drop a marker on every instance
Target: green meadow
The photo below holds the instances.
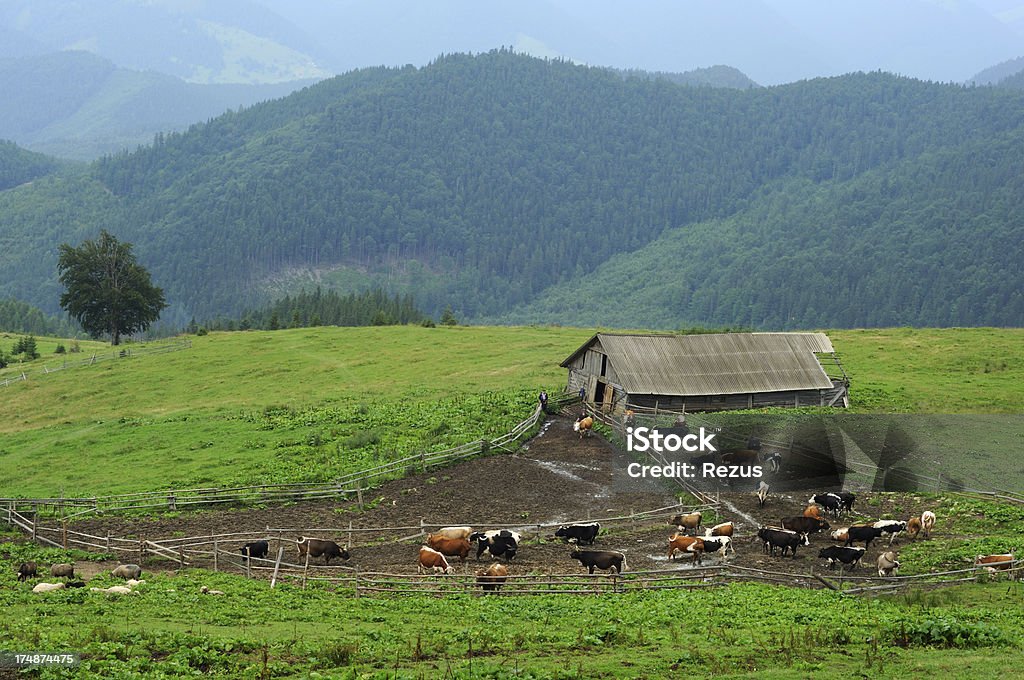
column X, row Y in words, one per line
column 311, row 404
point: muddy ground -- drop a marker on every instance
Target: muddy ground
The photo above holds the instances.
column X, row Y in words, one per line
column 556, row 478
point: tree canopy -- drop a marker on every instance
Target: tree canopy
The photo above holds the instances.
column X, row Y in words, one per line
column 107, row 291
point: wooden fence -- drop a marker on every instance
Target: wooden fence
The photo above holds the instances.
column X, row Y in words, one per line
column 123, row 352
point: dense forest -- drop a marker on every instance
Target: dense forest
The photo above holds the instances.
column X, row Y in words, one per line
column 330, row 308
column 20, row 317
column 18, row 166
column 516, row 189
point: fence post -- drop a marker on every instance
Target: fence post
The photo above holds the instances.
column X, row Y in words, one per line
column 35, row 511
column 108, row 540
column 305, row 569
column 142, row 549
column 359, row 496
column 355, row 577
column 171, row 504
column 216, row 565
column 349, row 534
column 277, row 565
column 181, row 558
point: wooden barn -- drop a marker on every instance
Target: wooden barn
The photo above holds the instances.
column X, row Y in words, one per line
column 712, row 372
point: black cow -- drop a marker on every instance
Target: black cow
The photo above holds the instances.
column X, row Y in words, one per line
column 255, row 549
column 839, row 553
column 316, row 547
column 580, row 533
column 600, row 559
column 26, row 571
column 832, row 502
column 498, row 542
column 781, row 538
column 805, row 525
column 847, row 498
column 863, row 532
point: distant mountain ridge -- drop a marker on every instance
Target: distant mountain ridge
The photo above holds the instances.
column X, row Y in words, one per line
column 514, row 188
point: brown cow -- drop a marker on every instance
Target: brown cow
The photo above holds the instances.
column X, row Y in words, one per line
column 723, row 529
column 994, row 563
column 813, row 511
column 454, row 532
column 687, row 522
column 493, row 577
column 317, row 547
column 431, row 559
column 913, row 527
column 686, row 544
column 583, row 425
column 450, row 547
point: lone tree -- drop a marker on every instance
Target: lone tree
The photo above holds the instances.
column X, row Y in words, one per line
column 107, row 290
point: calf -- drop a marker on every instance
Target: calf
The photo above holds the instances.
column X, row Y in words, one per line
column 455, row 532
column 607, row 560
column 315, row 547
column 762, row 493
column 430, row 559
column 913, row 527
column 862, row 532
column 839, row 553
column 887, row 564
column 579, row 533
column 805, row 525
column 26, row 570
column 994, row 563
column 498, row 542
column 686, row 544
column 723, row 529
column 773, row 538
column 813, row 511
column 723, row 543
column 493, row 577
column 847, row 500
column 257, row 549
column 927, row 522
column 891, row 527
column 687, row 523
column 450, row 547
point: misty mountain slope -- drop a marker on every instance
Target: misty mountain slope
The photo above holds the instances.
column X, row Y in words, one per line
column 934, row 241
column 18, row 166
column 483, row 182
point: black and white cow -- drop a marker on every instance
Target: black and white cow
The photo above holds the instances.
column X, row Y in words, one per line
column 255, row 549
column 579, row 533
column 843, row 554
column 781, row 538
column 498, row 542
column 891, row 527
column 861, row 532
column 832, row 502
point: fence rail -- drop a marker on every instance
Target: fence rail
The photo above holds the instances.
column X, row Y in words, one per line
column 123, row 352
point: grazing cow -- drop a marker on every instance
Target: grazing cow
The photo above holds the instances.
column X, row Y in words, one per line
column 839, row 553
column 255, row 549
column 723, row 543
column 127, row 571
column 723, row 529
column 891, row 527
column 432, row 559
column 994, row 563
column 579, row 533
column 686, row 544
column 913, row 527
column 493, row 577
column 927, row 522
column 454, row 532
column 813, row 511
column 450, row 547
column 26, row 571
column 848, row 499
column 832, row 503
column 600, row 559
column 762, row 493
column 63, row 570
column 888, row 564
column 860, row 532
column 583, row 425
column 773, row 538
column 47, row 587
column 740, row 457
column 316, row 547
column 686, row 523
column 498, row 542
column 805, row 525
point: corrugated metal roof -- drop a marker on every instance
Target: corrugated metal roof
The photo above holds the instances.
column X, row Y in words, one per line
column 721, row 363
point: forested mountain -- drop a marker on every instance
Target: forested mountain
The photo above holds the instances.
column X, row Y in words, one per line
column 995, row 74
column 19, row 317
column 500, row 183
column 18, row 166
column 78, row 105
column 713, row 76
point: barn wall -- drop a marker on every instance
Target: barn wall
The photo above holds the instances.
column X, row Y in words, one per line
column 728, row 402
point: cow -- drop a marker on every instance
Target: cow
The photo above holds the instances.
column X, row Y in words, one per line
column 493, row 577
column 994, row 563
column 786, row 539
column 686, row 544
column 583, row 425
column 888, row 565
column 454, row 532
column 498, row 542
column 740, row 457
column 859, row 532
column 913, row 527
column 316, row 547
column 843, row 554
column 805, row 525
column 723, row 529
column 63, row 570
column 258, row 549
column 927, row 522
column 762, row 493
column 430, row 559
column 723, row 543
column 773, row 461
column 830, row 501
column 450, row 547
column 813, row 511
column 27, row 570
column 685, row 523
column 848, row 499
column 607, row 560
column 890, row 526
column 579, row 533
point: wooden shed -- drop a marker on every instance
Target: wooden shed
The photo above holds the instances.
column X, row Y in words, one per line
column 712, row 372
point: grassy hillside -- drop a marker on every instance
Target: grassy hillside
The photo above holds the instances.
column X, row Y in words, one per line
column 310, row 404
